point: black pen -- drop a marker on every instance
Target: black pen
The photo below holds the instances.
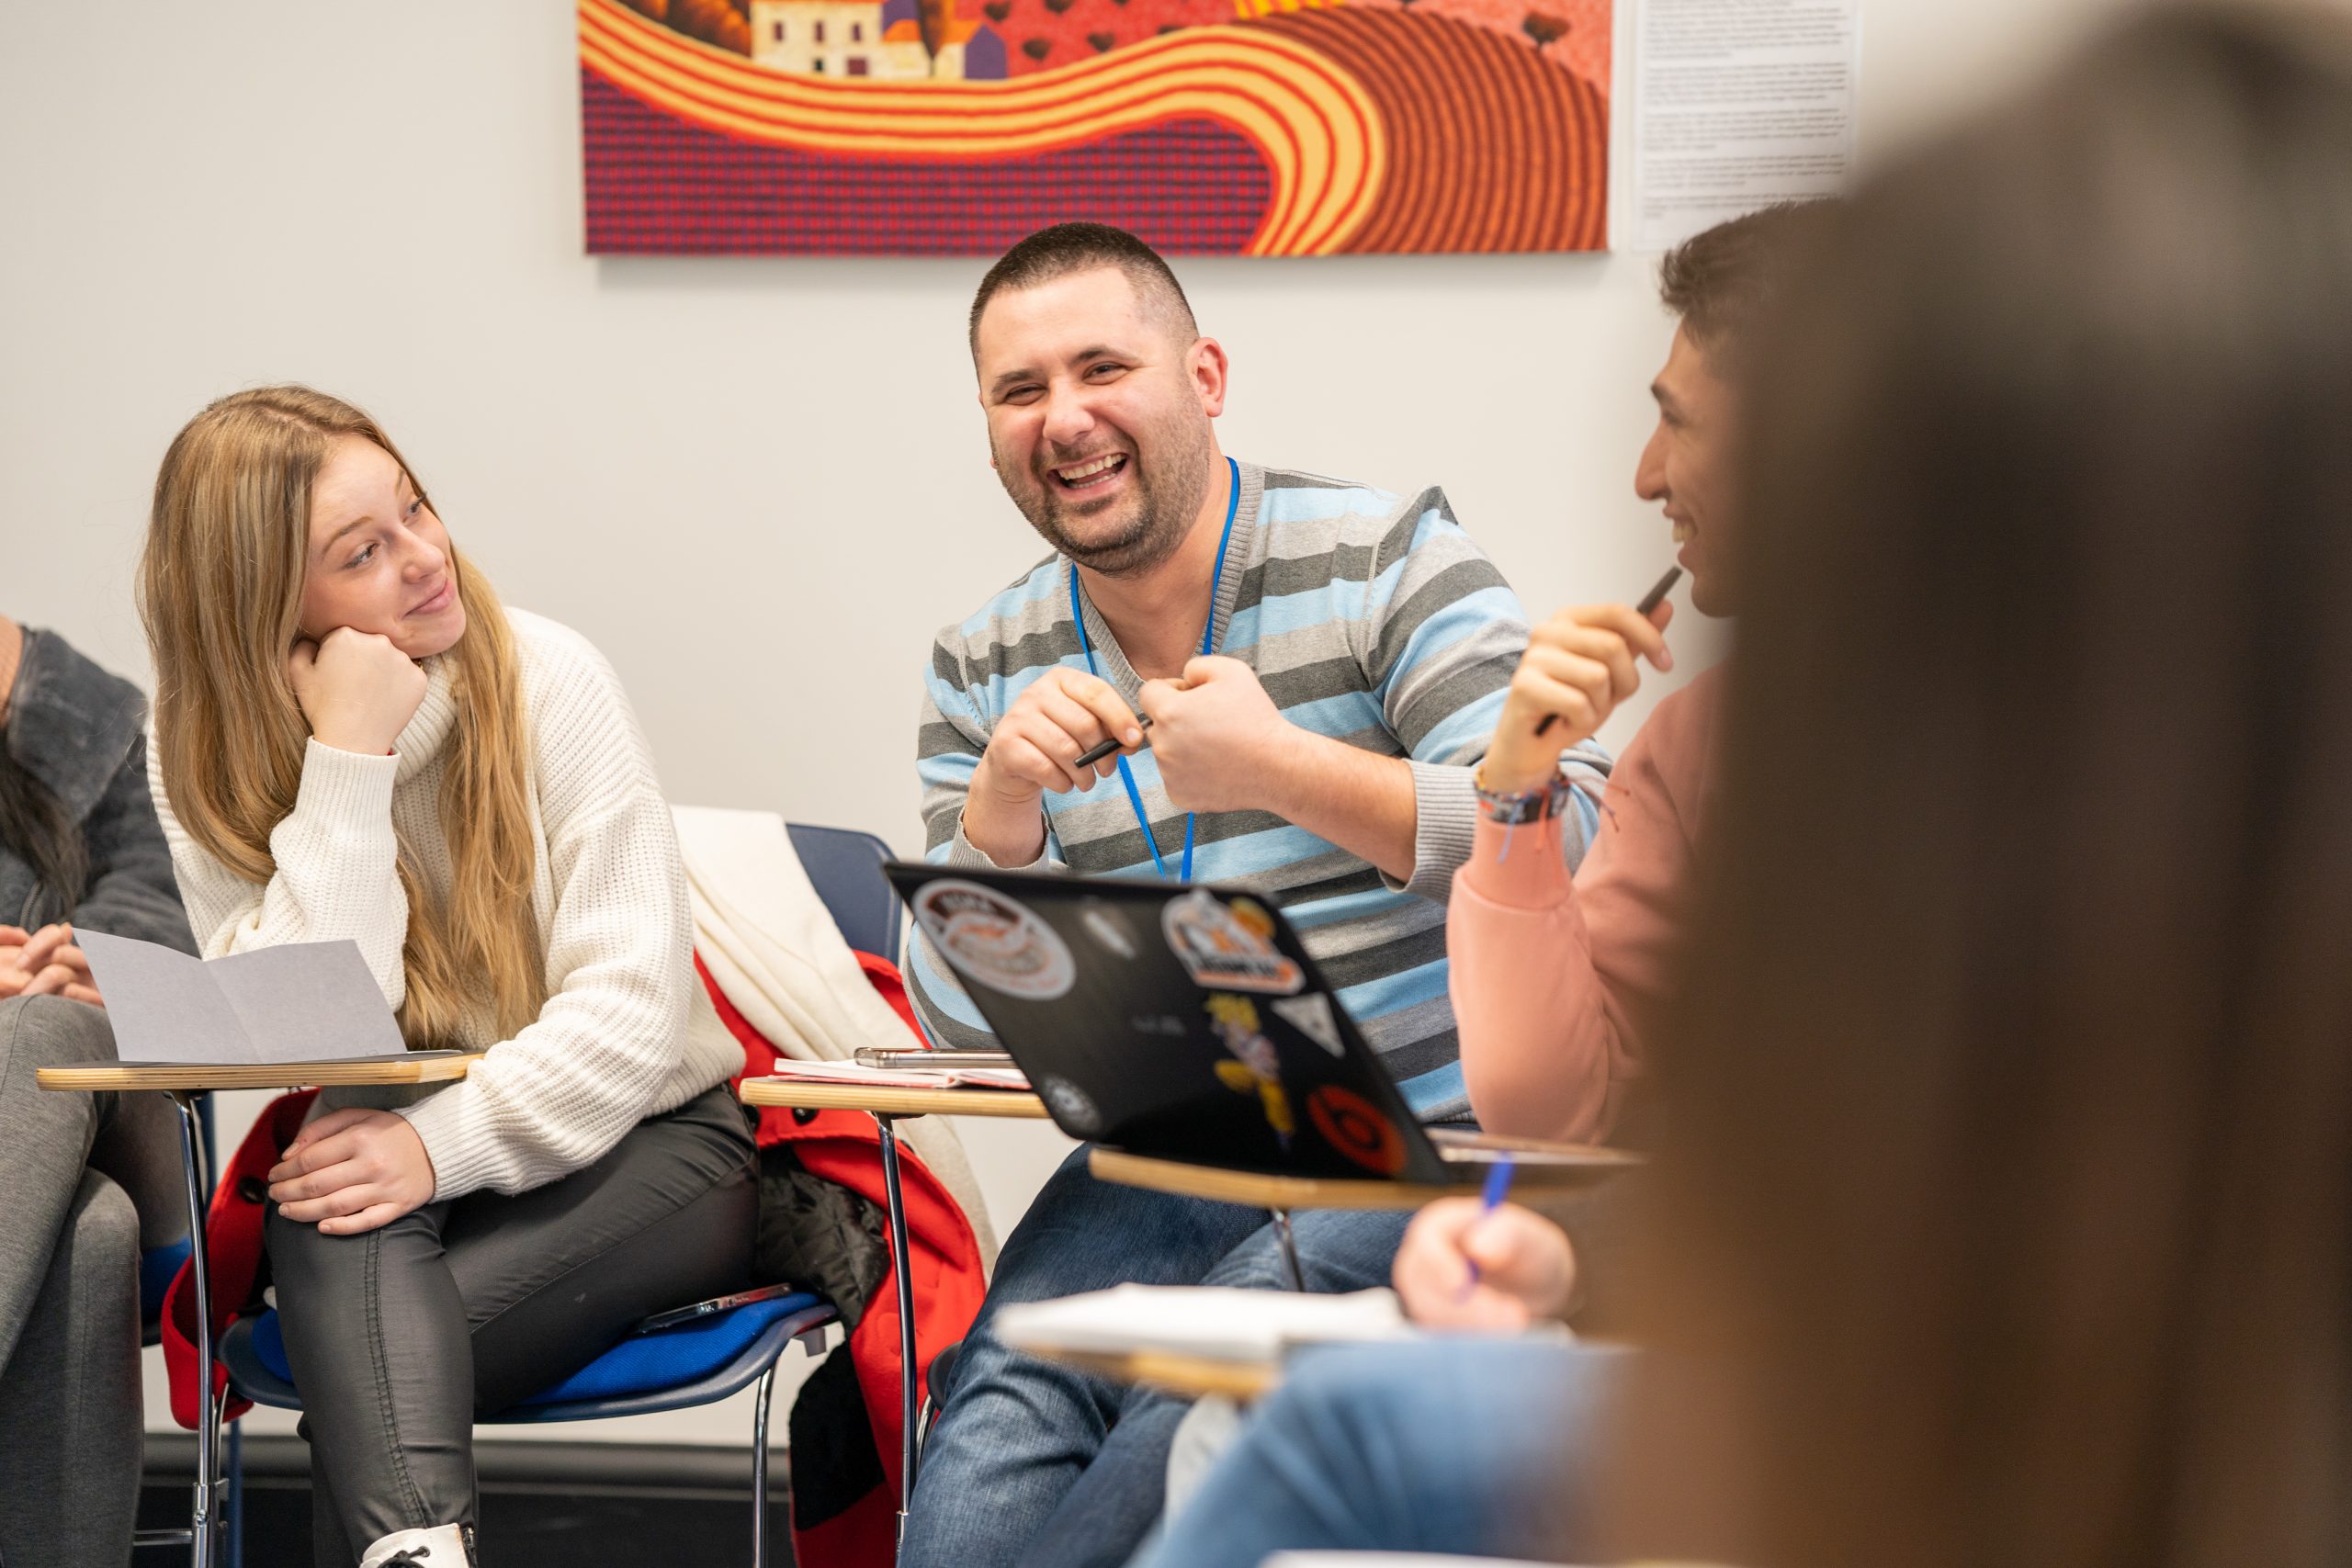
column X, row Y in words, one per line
column 1650, row 601
column 1087, row 759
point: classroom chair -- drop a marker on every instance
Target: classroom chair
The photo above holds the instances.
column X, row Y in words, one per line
column 712, row 1357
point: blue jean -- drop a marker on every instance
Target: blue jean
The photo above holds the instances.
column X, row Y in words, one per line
column 1469, row 1445
column 1041, row 1465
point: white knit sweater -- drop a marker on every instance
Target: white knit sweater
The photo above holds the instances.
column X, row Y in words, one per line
column 626, row 1032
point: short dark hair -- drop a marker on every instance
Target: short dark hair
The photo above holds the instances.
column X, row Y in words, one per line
column 1721, row 280
column 1066, row 248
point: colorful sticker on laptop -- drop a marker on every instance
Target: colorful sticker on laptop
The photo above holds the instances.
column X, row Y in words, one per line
column 1228, row 946
column 1257, row 1067
column 1357, row 1129
column 1311, row 1016
column 1071, row 1106
column 1107, row 924
column 988, row 938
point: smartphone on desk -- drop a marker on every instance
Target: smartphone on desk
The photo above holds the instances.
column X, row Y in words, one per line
column 903, row 1057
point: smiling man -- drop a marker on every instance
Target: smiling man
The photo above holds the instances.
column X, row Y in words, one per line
column 1321, row 664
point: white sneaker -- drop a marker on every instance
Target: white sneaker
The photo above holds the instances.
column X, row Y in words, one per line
column 449, row 1546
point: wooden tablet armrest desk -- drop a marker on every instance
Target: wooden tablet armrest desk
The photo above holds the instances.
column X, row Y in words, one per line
column 1279, row 1195
column 798, row 1095
column 182, row 1078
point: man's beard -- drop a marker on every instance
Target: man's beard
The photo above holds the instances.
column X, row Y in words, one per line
column 1167, row 496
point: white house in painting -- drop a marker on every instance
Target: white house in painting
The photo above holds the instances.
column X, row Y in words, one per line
column 874, row 40
column 828, row 37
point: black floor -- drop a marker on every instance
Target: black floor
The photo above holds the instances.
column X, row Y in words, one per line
column 543, row 1504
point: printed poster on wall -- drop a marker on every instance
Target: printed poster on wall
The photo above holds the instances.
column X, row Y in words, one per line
column 1736, row 105
column 1263, row 128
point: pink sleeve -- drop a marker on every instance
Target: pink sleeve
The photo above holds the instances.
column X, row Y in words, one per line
column 1556, row 981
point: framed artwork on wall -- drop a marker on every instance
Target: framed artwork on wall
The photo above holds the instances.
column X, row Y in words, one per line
column 1265, row 127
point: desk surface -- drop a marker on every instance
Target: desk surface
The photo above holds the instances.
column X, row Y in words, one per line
column 1262, row 1191
column 1191, row 1376
column 801, row 1094
column 259, row 1074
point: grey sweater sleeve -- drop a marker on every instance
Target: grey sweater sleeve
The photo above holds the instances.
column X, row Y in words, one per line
column 1445, row 633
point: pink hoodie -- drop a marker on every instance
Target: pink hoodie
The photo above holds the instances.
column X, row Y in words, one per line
column 1557, row 984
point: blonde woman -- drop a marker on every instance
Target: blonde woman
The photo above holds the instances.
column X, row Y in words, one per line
column 353, row 740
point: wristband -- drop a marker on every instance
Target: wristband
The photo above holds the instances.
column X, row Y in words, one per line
column 1527, row 805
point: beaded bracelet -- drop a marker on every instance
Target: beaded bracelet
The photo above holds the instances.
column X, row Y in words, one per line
column 1523, row 807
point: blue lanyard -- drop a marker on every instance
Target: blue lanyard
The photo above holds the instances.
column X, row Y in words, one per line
column 1208, row 638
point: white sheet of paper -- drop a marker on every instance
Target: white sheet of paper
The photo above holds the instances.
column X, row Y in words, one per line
column 306, row 1001
column 163, row 1005
column 1212, row 1321
column 1737, row 104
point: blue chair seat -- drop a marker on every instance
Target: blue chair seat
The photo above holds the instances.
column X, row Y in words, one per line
column 692, row 1363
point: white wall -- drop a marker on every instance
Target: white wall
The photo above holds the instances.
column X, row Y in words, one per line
column 759, row 485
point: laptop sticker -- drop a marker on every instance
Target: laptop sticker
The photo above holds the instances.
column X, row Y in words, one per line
column 1107, row 925
column 1257, row 1067
column 1071, row 1106
column 1228, row 946
column 1355, row 1127
column 1311, row 1016
column 988, row 938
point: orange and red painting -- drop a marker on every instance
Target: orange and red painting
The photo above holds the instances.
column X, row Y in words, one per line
column 1265, row 127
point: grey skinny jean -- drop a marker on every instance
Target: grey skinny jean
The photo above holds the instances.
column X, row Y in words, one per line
column 402, row 1336
column 82, row 1176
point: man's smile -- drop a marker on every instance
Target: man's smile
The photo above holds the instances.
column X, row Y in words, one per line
column 1092, row 473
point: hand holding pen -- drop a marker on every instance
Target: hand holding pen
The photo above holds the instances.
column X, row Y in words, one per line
column 1578, row 667
column 1464, row 1265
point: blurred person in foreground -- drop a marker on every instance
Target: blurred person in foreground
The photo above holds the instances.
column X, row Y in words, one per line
column 2000, row 1208
column 2001, row 1199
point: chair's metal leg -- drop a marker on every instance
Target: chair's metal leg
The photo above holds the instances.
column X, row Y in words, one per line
column 902, row 1267
column 233, row 1498
column 923, row 1419
column 1290, row 1248
column 201, row 1519
column 759, row 1469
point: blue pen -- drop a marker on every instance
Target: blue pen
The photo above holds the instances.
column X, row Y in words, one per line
column 1497, row 1187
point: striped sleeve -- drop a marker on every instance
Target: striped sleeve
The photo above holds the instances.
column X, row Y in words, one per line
column 949, row 742
column 947, row 748
column 1443, row 634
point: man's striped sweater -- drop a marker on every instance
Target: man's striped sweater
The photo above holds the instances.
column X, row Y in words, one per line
column 1368, row 617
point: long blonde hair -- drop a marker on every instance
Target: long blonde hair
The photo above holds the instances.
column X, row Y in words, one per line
column 219, row 586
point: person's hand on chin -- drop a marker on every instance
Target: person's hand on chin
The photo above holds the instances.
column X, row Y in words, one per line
column 356, row 689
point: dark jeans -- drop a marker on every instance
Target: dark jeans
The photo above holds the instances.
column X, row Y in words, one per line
column 1471, row 1447
column 83, row 1176
column 1038, row 1464
column 401, row 1338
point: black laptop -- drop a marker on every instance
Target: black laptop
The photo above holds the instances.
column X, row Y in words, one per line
column 1186, row 1022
